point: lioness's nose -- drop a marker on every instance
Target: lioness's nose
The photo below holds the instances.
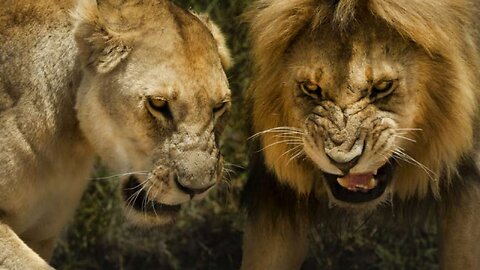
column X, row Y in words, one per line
column 345, row 166
column 192, row 191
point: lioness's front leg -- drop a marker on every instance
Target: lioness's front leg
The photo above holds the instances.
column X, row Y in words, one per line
column 15, row 254
column 280, row 247
column 459, row 225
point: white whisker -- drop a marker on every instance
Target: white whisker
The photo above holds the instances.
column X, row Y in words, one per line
column 294, row 149
column 153, row 204
column 399, row 152
column 133, row 198
column 409, row 129
column 145, row 201
column 300, row 153
column 289, row 142
column 288, row 130
column 234, row 165
column 120, row 175
column 405, row 138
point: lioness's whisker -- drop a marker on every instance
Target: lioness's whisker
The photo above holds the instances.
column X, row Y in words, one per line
column 135, row 187
column 133, row 198
column 153, row 204
column 228, row 175
column 120, row 175
column 234, row 165
column 145, row 200
column 227, row 183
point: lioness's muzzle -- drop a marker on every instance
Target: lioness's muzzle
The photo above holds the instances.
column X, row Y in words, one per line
column 197, row 171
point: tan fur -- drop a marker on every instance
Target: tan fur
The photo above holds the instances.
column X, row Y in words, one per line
column 345, row 47
column 75, row 81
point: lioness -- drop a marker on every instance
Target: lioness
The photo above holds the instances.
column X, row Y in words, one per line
column 140, row 83
column 357, row 104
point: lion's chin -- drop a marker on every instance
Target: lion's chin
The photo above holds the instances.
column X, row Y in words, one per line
column 142, row 211
column 367, row 190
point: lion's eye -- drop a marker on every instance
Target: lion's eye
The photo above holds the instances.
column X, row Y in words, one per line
column 383, row 86
column 383, row 89
column 158, row 105
column 310, row 89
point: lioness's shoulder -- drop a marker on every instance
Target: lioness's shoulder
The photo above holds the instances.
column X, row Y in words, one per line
column 15, row 13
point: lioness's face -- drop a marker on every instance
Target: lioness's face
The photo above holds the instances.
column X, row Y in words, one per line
column 157, row 119
column 355, row 100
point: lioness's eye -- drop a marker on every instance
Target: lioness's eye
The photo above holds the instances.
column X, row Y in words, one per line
column 158, row 105
column 310, row 89
column 220, row 107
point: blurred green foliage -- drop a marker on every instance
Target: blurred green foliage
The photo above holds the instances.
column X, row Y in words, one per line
column 207, row 235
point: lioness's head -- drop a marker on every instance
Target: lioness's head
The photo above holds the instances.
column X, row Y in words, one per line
column 153, row 100
column 359, row 99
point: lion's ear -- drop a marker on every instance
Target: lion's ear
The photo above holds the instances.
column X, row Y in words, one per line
column 100, row 48
column 225, row 56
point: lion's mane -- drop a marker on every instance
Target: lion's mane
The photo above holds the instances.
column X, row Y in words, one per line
column 443, row 29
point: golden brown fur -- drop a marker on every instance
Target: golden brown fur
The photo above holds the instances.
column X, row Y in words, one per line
column 427, row 47
column 139, row 83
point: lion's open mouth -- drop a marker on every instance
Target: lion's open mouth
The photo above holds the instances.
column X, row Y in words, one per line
column 136, row 197
column 361, row 188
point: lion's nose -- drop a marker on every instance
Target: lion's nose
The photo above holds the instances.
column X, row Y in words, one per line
column 345, row 166
column 191, row 190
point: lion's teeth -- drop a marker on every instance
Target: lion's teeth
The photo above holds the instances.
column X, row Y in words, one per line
column 375, row 172
column 343, row 182
column 372, row 183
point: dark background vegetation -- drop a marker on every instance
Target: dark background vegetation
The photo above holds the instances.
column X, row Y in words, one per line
column 208, row 234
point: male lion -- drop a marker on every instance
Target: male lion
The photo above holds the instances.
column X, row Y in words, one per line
column 356, row 104
column 139, row 82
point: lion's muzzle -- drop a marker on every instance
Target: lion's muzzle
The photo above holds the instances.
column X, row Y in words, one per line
column 352, row 147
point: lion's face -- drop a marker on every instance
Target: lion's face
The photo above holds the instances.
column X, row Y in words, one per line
column 156, row 117
column 355, row 105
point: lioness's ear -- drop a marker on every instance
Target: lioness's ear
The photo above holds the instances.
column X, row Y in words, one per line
column 223, row 50
column 100, row 48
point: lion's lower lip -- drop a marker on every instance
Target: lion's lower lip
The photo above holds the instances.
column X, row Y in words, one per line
column 362, row 195
column 136, row 197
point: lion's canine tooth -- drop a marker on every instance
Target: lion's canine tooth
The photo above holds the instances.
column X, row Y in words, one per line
column 343, row 182
column 372, row 183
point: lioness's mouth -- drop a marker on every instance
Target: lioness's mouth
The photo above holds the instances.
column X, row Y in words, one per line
column 361, row 188
column 135, row 196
